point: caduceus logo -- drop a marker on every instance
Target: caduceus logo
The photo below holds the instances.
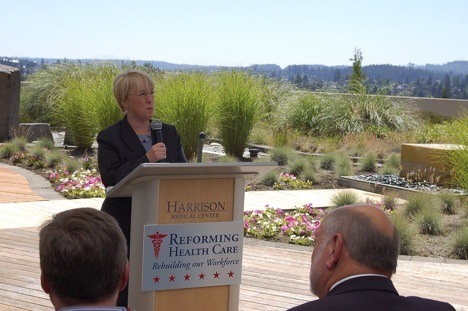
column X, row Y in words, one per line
column 157, row 238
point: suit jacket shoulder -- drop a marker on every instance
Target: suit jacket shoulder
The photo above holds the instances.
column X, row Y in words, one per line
column 370, row 293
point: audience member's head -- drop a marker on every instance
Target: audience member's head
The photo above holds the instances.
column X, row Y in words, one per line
column 83, row 258
column 353, row 240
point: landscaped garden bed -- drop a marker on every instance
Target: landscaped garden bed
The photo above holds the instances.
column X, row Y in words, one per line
column 314, row 139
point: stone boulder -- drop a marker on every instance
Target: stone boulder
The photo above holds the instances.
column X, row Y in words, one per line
column 34, row 131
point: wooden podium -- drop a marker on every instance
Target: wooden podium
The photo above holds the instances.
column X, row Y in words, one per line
column 208, row 192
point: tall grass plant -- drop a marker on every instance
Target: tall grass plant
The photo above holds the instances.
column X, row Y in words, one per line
column 418, row 201
column 430, row 221
column 344, row 197
column 76, row 110
column 41, row 91
column 458, row 245
column 17, row 144
column 408, row 233
column 238, row 106
column 187, row 101
column 458, row 158
column 282, row 155
column 368, row 162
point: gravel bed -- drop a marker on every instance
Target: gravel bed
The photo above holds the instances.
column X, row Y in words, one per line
column 398, row 181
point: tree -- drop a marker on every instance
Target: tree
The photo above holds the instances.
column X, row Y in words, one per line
column 337, row 76
column 305, row 81
column 447, row 92
column 356, row 81
column 298, row 80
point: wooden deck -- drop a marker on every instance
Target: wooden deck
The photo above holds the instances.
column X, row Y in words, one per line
column 15, row 188
column 274, row 276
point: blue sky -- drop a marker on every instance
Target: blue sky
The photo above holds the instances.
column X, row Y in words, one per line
column 238, row 32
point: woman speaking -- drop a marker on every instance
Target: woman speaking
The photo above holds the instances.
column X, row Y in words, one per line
column 125, row 145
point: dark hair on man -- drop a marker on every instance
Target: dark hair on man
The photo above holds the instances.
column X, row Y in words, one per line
column 367, row 244
column 83, row 255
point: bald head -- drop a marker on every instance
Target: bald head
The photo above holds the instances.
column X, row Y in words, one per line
column 353, row 240
column 369, row 236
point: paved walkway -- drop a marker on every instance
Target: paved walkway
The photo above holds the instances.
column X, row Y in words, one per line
column 275, row 276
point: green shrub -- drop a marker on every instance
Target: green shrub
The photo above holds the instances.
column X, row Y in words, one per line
column 458, row 158
column 269, row 179
column 439, row 132
column 17, row 144
column 72, row 164
column 53, row 158
column 418, row 201
column 5, row 151
column 239, row 105
column 78, row 97
column 297, row 166
column 46, row 143
column 280, row 138
column 361, row 113
column 309, row 174
column 344, row 166
column 78, row 113
column 368, row 162
column 345, row 197
column 39, row 95
column 36, row 157
column 429, row 221
column 390, row 202
column 304, row 114
column 387, row 169
column 328, row 161
column 449, row 203
column 459, row 243
column 102, row 77
column 186, row 100
column 408, row 233
column 393, row 161
column 281, row 155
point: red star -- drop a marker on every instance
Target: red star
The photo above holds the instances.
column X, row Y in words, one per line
column 187, row 277
column 202, row 276
column 231, row 274
column 172, row 278
column 156, row 279
column 216, row 275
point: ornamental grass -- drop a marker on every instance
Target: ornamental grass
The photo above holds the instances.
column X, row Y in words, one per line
column 187, row 101
column 239, row 104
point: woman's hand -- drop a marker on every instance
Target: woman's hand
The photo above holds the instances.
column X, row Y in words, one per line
column 157, row 153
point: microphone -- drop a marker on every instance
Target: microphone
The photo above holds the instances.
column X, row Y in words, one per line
column 156, row 134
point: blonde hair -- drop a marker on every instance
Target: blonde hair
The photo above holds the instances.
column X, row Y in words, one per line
column 126, row 82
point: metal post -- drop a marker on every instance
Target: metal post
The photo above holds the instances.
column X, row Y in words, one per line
column 201, row 138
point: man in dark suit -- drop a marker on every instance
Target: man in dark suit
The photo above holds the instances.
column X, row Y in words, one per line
column 354, row 256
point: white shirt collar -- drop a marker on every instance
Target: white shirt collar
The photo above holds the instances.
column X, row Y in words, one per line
column 353, row 277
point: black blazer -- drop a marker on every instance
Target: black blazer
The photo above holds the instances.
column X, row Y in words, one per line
column 120, row 151
column 370, row 293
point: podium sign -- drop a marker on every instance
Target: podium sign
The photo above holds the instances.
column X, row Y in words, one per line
column 189, row 200
column 192, row 255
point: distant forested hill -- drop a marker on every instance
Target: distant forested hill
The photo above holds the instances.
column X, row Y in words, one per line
column 448, row 80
